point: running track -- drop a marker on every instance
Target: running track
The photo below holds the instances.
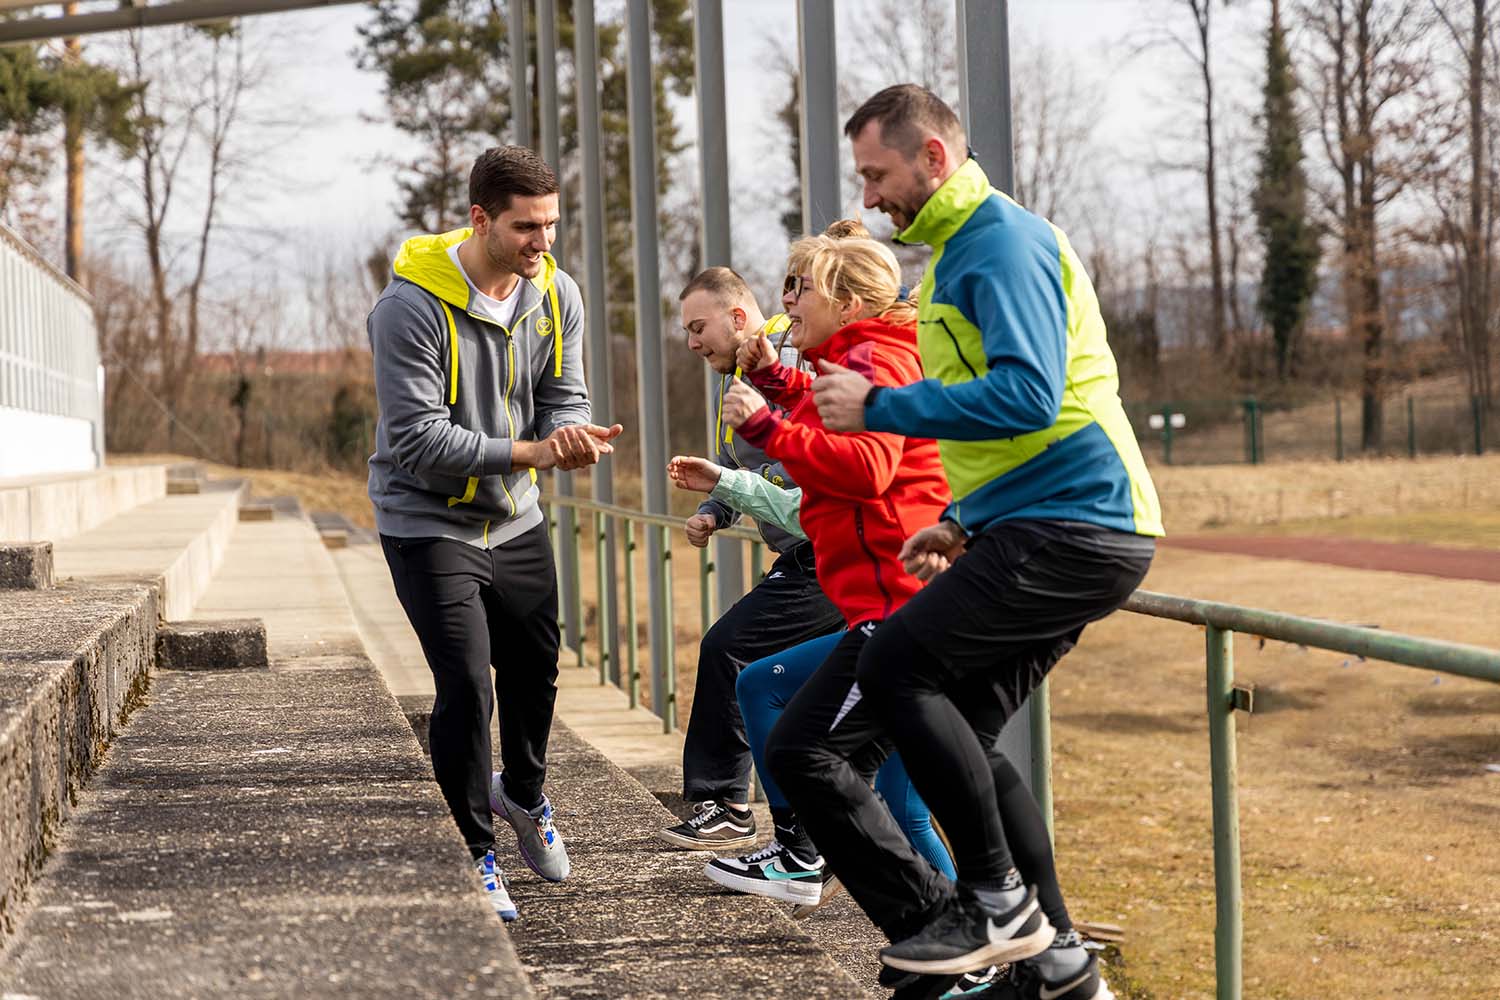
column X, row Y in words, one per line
column 1397, row 557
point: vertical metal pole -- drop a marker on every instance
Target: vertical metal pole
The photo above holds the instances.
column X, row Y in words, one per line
column 632, row 654
column 713, row 229
column 570, row 581
column 520, row 88
column 984, row 108
column 818, row 114
column 666, row 670
column 596, row 319
column 1338, row 429
column 649, row 364
column 1478, row 408
column 1228, row 929
column 757, row 562
column 984, row 86
column 705, row 589
column 603, row 582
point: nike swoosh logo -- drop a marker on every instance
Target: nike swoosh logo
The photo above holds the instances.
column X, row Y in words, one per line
column 776, row 873
column 999, row 934
column 1051, row 994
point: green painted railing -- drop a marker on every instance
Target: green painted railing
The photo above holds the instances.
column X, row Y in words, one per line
column 1220, row 621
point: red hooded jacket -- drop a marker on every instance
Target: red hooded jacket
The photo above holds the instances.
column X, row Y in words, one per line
column 862, row 494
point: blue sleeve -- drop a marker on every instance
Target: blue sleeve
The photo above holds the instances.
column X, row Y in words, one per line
column 1016, row 300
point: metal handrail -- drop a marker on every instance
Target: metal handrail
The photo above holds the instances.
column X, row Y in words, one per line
column 1219, row 620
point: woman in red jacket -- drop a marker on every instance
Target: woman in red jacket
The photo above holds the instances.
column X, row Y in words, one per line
column 862, row 496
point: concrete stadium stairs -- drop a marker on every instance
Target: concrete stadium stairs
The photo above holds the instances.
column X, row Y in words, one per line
column 233, row 831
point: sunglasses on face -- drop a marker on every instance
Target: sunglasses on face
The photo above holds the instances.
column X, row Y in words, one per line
column 795, row 285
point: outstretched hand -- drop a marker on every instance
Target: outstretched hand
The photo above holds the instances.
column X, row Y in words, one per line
column 932, row 550
column 690, row 473
column 839, row 394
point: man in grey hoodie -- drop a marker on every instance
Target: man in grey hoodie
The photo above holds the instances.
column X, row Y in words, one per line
column 477, row 344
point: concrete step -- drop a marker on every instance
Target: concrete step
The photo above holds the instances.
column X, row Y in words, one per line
column 174, row 542
column 73, row 661
column 56, row 507
column 265, row 833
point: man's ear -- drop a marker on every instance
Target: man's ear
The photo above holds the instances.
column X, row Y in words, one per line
column 739, row 318
column 478, row 219
column 934, row 155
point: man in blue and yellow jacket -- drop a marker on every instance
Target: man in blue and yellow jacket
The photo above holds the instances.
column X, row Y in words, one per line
column 478, row 351
column 1052, row 527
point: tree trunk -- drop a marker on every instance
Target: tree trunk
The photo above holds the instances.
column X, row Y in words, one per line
column 73, row 153
column 1201, row 10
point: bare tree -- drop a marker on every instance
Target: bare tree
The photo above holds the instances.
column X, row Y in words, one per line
column 1464, row 189
column 1367, row 57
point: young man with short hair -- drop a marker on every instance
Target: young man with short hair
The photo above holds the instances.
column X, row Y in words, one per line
column 719, row 314
column 477, row 344
column 1052, row 527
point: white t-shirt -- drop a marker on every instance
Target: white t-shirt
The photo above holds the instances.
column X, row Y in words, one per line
column 502, row 311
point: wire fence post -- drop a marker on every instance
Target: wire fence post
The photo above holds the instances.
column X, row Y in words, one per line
column 666, row 670
column 1411, row 427
column 632, row 654
column 1228, row 926
column 1338, row 429
column 602, row 606
column 1478, row 407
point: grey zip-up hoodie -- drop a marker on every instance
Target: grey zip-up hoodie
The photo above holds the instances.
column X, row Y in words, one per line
column 456, row 390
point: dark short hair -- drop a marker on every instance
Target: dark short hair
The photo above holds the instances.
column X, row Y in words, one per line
column 504, row 171
column 847, row 229
column 906, row 112
column 723, row 283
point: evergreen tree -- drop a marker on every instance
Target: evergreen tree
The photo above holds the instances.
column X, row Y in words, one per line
column 1280, row 199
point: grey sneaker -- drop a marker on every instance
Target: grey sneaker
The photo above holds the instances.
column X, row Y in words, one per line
column 541, row 845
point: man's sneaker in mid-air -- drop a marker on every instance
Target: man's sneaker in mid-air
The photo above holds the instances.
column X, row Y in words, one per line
column 541, row 845
column 495, row 887
column 1025, row 983
column 915, row 985
column 831, row 887
column 712, row 827
column 965, row 936
column 772, row 871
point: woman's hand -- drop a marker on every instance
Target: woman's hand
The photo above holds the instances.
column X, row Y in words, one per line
column 741, row 403
column 690, row 473
column 755, row 352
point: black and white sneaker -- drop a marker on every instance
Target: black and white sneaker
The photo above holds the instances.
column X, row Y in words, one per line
column 713, row 827
column 1025, row 983
column 965, row 936
column 772, row 871
column 985, row 984
column 915, row 985
column 831, row 887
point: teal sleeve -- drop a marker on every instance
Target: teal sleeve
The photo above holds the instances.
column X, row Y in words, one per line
column 765, row 501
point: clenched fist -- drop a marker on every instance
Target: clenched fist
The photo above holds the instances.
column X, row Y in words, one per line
column 932, row 550
column 755, row 352
column 699, row 527
column 741, row 403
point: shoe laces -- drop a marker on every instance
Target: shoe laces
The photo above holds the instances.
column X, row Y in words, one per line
column 544, row 827
column 703, row 812
column 486, row 868
column 764, row 854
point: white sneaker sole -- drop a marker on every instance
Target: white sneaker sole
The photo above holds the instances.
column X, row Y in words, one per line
column 696, row 844
column 800, row 891
column 1010, row 950
column 831, row 888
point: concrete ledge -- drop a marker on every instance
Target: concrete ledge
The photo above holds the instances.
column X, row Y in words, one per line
column 179, row 487
column 174, row 543
column 72, row 663
column 418, row 711
column 212, row 645
column 264, row 834
column 53, row 508
column 26, row 566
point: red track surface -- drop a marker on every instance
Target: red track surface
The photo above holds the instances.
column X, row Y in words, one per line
column 1396, row 557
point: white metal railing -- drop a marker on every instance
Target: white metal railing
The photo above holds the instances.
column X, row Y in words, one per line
column 49, row 343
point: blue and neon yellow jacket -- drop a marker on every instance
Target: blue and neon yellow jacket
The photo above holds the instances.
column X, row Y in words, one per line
column 1021, row 392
